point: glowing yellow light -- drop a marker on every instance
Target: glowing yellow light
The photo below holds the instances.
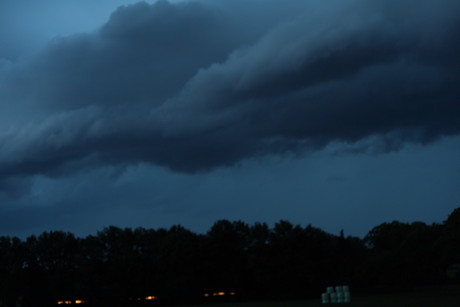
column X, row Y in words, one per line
column 70, row 302
column 218, row 294
column 206, row 294
column 149, row 298
column 232, row 293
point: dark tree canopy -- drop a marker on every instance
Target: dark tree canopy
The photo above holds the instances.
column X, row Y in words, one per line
column 233, row 260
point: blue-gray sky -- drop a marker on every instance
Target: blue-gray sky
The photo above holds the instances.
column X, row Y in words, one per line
column 339, row 114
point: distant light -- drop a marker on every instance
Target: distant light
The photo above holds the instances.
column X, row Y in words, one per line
column 70, row 302
column 206, row 294
column 64, row 302
column 218, row 294
column 232, row 293
column 149, row 298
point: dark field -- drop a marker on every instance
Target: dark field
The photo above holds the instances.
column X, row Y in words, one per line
column 420, row 299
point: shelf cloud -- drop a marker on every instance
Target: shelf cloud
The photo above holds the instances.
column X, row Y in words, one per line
column 195, row 86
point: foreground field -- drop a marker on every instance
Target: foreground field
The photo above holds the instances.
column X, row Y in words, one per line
column 404, row 300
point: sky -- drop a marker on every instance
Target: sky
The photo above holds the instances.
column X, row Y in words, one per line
column 339, row 114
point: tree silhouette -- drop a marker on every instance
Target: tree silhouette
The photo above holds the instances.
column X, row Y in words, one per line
column 126, row 266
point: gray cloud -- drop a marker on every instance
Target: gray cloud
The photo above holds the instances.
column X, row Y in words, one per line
column 143, row 54
column 180, row 85
column 362, row 73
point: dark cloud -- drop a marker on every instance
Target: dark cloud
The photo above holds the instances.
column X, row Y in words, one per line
column 143, row 54
column 180, row 85
column 305, row 84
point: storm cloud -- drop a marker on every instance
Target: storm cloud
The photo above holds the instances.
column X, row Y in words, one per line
column 192, row 87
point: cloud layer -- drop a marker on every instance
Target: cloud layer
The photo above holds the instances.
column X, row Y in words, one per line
column 196, row 86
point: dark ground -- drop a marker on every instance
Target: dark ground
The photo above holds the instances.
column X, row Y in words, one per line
column 429, row 297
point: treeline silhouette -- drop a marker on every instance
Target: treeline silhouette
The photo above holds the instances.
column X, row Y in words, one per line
column 120, row 267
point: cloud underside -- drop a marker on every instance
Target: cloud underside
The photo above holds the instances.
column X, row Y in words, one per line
column 186, row 87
